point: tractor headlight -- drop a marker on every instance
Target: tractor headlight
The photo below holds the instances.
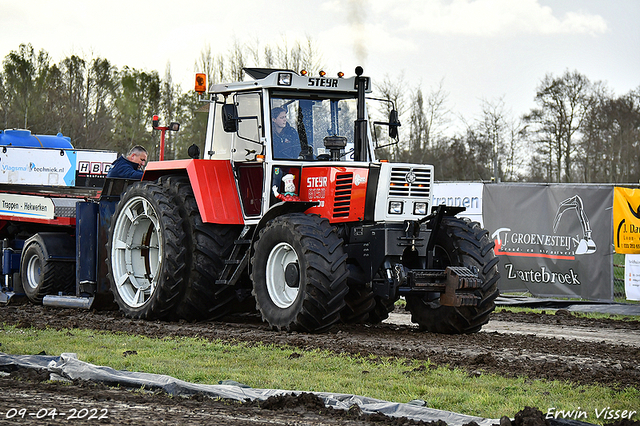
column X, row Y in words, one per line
column 395, row 207
column 284, row 79
column 420, row 209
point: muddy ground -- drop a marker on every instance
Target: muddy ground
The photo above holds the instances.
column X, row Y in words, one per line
column 583, row 351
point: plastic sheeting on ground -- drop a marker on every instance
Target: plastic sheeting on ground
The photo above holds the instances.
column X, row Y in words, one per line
column 67, row 366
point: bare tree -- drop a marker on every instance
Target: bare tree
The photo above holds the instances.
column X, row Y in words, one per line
column 297, row 57
column 563, row 105
column 610, row 147
column 206, row 64
column 391, row 91
column 503, row 135
column 515, row 152
column 428, row 121
column 269, row 59
column 493, row 127
column 437, row 115
column 237, row 62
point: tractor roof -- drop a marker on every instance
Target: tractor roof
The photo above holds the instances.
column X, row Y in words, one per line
column 288, row 80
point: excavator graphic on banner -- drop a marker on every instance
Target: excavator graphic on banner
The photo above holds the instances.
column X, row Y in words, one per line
column 586, row 245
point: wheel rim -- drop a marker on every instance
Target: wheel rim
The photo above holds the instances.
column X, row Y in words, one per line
column 34, row 266
column 280, row 293
column 136, row 252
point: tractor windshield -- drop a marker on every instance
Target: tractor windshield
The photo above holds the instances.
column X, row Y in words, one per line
column 313, row 129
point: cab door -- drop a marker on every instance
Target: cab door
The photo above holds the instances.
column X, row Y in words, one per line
column 249, row 144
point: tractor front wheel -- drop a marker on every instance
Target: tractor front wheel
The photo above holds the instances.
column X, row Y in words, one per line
column 299, row 273
column 459, row 242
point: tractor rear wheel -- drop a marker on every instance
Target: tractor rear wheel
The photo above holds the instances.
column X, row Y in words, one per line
column 358, row 303
column 146, row 252
column 381, row 311
column 207, row 246
column 299, row 273
column 459, row 242
column 364, row 307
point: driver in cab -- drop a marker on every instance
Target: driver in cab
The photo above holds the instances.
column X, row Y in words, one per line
column 286, row 142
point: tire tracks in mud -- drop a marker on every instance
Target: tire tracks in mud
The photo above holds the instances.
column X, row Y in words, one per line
column 511, row 345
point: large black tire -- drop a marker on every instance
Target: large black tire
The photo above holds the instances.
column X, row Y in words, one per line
column 459, row 242
column 299, row 273
column 381, row 311
column 359, row 301
column 146, row 250
column 40, row 275
column 362, row 305
column 208, row 245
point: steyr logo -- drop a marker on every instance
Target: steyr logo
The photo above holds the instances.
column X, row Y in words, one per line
column 410, row 177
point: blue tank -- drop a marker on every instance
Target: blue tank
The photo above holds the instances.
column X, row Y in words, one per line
column 24, row 138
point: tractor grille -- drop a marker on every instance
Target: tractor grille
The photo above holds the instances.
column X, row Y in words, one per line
column 342, row 199
column 410, row 182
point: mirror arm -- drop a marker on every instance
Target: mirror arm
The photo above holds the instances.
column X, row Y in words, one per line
column 383, row 123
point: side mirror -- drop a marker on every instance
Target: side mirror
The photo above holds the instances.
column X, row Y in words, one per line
column 194, row 151
column 394, row 123
column 229, row 118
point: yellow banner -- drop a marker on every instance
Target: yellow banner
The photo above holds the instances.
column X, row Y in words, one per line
column 626, row 220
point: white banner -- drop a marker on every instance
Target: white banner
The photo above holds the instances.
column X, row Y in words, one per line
column 53, row 167
column 26, row 206
column 460, row 194
column 632, row 276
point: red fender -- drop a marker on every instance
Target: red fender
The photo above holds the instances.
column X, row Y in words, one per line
column 213, row 186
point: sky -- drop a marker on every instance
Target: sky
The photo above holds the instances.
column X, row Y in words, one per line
column 477, row 50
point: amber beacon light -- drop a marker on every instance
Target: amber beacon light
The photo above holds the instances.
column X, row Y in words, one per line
column 201, row 83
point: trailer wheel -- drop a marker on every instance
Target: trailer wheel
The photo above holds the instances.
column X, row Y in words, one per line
column 460, row 242
column 40, row 275
column 299, row 273
column 207, row 247
column 146, row 252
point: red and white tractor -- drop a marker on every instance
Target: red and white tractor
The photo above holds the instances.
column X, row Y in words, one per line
column 290, row 212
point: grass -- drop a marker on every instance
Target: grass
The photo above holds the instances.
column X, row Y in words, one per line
column 400, row 380
column 594, row 315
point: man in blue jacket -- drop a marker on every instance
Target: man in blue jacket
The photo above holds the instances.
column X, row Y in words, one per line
column 286, row 142
column 129, row 167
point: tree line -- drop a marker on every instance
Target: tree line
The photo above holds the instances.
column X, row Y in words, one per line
column 578, row 131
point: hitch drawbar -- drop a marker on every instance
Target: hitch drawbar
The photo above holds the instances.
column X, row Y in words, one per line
column 455, row 283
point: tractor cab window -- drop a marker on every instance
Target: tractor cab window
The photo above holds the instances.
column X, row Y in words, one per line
column 312, row 129
column 248, row 143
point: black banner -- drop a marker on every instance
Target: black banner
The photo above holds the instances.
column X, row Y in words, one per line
column 552, row 240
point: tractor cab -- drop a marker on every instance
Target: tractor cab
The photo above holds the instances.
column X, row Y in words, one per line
column 282, row 123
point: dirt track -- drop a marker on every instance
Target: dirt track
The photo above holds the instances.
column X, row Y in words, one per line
column 580, row 350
